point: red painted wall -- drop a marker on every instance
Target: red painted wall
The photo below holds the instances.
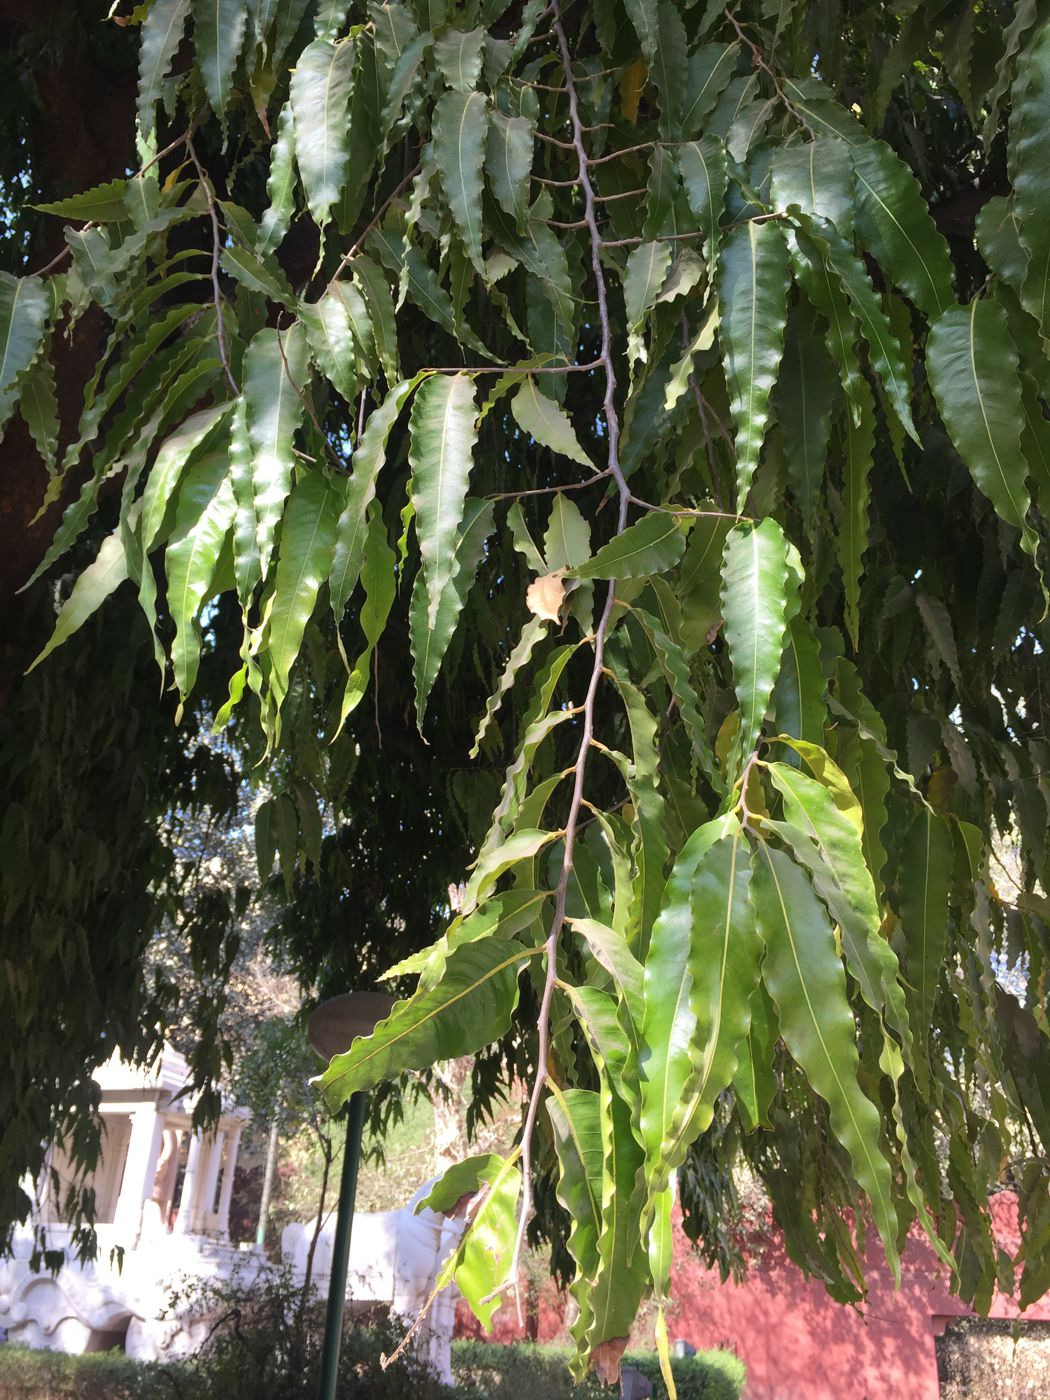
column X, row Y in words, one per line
column 796, row 1342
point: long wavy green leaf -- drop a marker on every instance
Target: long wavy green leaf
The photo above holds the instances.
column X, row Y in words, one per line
column 366, row 464
column 459, row 54
column 531, row 634
column 443, row 427
column 622, row 1276
column 831, row 847
column 972, row 365
column 508, row 162
column 275, row 368
column 430, row 637
column 804, row 976
column 805, row 399
column 547, row 422
column 668, row 1020
column 461, row 122
column 676, row 668
column 856, row 501
column 38, row 407
column 754, row 605
column 816, row 178
column 321, row 88
column 800, row 707
column 885, row 352
column 162, row 31
column 218, row 33
column 470, row 1007
column 755, row 1080
column 478, row 1264
column 1031, row 182
column 379, row 581
column 651, row 545
column 280, row 185
column 896, row 227
column 643, row 277
column 172, row 459
column 203, row 517
column 330, row 334
column 752, row 296
column 723, row 972
column 308, row 531
column 24, row 304
column 703, row 168
column 101, row 578
column 567, row 539
column 575, row 1116
column 925, row 884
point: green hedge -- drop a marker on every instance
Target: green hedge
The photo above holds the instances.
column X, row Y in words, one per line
column 484, row 1371
column 523, row 1371
column 106, row 1375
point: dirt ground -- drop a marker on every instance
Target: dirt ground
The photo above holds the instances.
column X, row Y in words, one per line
column 989, row 1359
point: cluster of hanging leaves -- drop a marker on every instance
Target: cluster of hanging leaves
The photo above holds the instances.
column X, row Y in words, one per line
column 742, row 473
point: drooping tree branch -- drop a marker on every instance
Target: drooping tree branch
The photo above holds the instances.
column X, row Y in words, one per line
column 610, row 413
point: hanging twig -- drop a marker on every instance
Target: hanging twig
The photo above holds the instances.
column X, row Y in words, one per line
column 355, row 247
column 664, row 238
column 758, row 58
column 93, row 223
column 549, row 490
column 216, row 249
column 691, row 511
column 513, row 369
column 613, row 468
column 337, row 461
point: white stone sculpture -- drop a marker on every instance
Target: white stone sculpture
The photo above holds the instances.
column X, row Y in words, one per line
column 395, row 1257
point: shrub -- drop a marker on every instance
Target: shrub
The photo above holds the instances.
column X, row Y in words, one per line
column 107, row 1375
column 263, row 1346
column 508, row 1372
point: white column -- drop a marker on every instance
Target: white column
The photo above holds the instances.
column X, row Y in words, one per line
column 140, row 1168
column 184, row 1223
column 227, row 1182
column 209, row 1180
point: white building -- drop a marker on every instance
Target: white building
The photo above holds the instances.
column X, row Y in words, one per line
column 162, row 1195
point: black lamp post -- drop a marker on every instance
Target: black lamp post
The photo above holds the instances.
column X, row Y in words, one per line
column 331, row 1030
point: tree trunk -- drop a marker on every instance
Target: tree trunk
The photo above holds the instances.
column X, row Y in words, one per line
column 267, row 1191
column 326, row 1148
column 450, row 1138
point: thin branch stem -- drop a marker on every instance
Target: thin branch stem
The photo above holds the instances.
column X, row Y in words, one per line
column 701, row 409
column 620, row 194
column 355, row 247
column 553, row 141
column 93, row 223
column 664, row 238
column 335, row 458
column 626, row 151
column 758, row 58
column 513, row 369
column 693, row 514
column 613, row 468
column 216, row 249
column 549, row 490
